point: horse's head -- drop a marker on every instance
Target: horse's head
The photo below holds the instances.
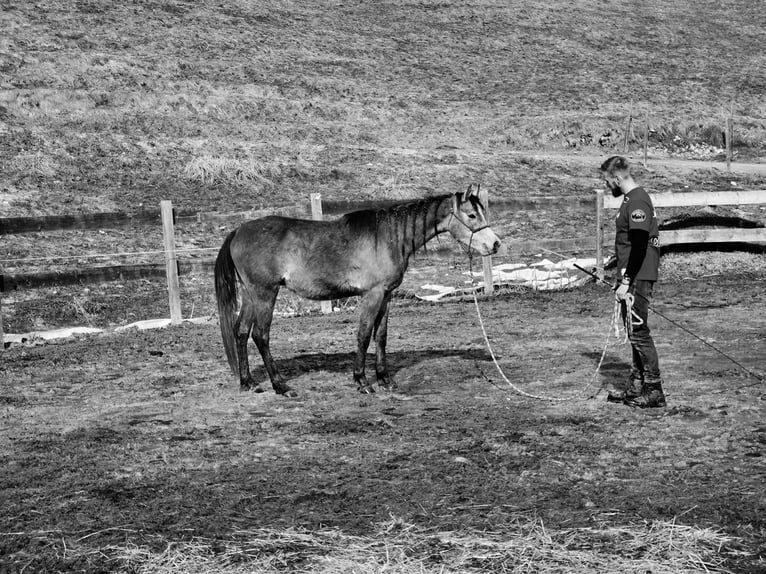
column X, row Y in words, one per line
column 467, row 221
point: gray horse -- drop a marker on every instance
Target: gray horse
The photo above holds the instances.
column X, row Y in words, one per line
column 363, row 253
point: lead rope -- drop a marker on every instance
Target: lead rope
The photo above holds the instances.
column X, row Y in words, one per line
column 635, row 320
column 522, row 392
column 542, row 397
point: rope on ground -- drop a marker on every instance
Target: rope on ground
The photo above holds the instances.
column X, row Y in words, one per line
column 524, row 393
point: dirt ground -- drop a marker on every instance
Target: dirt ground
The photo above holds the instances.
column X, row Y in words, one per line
column 142, row 438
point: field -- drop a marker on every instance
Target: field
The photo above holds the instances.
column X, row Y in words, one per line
column 134, row 451
column 235, row 104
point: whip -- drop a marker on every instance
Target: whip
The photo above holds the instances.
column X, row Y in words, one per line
column 750, row 372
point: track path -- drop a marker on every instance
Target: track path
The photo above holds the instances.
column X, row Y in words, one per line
column 653, row 162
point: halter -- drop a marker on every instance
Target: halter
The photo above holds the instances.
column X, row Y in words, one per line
column 468, row 227
column 464, row 224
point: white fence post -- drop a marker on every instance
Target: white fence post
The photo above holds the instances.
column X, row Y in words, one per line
column 316, row 213
column 171, row 262
column 600, row 234
column 486, row 262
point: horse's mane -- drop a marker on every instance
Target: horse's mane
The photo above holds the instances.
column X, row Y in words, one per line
column 403, row 223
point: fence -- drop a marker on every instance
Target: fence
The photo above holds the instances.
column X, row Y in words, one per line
column 727, row 134
column 686, row 236
column 172, row 267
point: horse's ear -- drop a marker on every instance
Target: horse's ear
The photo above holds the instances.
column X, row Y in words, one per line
column 483, row 196
column 468, row 193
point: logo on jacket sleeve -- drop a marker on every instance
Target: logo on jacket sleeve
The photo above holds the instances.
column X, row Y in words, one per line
column 638, row 215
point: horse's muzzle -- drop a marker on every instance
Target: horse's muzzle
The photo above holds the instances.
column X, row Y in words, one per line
column 485, row 242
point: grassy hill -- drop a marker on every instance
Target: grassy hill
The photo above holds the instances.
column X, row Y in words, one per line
column 230, row 104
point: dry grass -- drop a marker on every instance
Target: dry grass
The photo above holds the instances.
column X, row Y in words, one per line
column 401, row 548
column 34, row 164
column 682, row 266
column 226, row 171
column 106, row 103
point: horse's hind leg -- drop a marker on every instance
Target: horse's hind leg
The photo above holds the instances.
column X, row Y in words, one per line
column 381, row 337
column 242, row 328
column 263, row 312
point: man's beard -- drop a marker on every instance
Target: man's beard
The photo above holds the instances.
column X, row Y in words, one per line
column 615, row 189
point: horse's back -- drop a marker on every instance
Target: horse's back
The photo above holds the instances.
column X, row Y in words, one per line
column 317, row 259
column 277, row 234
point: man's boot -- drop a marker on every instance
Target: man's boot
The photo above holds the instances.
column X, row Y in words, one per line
column 632, row 388
column 651, row 398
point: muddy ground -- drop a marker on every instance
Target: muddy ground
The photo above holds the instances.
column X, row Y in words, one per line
column 139, row 439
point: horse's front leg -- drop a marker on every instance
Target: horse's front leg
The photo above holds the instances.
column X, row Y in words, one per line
column 385, row 380
column 369, row 309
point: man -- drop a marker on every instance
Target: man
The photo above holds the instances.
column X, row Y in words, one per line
column 637, row 247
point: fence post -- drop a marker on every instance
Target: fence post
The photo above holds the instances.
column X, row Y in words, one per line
column 316, row 214
column 2, row 333
column 646, row 135
column 729, row 133
column 600, row 234
column 171, row 262
column 627, row 128
column 486, row 263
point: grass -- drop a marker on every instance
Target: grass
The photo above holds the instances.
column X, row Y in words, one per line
column 704, row 264
column 107, row 104
column 402, row 548
column 223, row 106
column 209, row 170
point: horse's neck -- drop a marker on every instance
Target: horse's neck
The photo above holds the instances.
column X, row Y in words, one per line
column 421, row 225
column 436, row 213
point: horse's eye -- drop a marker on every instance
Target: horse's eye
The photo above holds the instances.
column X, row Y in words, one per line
column 471, row 216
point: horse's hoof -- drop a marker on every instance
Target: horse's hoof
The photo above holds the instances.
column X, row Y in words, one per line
column 248, row 384
column 388, row 384
column 366, row 389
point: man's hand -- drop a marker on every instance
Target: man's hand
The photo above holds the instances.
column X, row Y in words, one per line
column 621, row 292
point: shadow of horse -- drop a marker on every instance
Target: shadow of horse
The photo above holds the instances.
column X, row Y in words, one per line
column 341, row 362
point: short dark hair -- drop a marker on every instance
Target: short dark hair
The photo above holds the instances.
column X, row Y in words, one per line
column 616, row 163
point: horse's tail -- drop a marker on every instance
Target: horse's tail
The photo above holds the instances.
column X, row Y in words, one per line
column 226, row 295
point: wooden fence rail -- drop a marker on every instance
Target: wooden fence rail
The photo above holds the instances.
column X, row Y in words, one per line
column 173, row 267
column 686, row 236
column 113, row 220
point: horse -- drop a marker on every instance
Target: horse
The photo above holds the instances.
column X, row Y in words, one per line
column 364, row 253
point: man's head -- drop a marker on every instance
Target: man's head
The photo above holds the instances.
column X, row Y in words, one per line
column 616, row 174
